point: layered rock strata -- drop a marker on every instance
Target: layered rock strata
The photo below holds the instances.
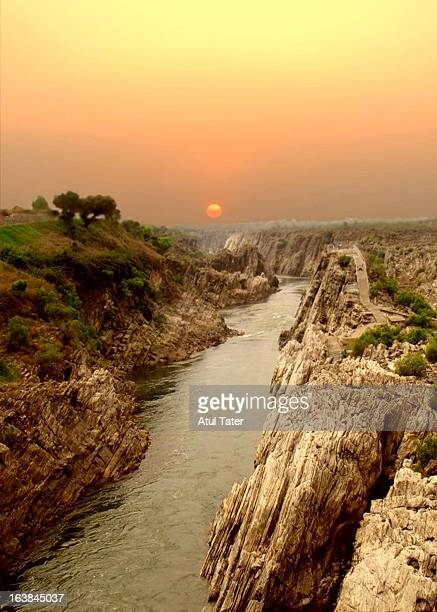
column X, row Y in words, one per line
column 283, row 539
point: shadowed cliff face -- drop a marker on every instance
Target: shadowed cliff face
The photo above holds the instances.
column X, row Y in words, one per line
column 284, row 538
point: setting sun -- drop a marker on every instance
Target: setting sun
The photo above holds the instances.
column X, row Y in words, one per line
column 214, row 211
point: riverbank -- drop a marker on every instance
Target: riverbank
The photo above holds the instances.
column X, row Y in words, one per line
column 296, row 534
column 140, row 541
column 81, row 312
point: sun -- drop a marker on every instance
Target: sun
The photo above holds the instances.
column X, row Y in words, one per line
column 214, row 211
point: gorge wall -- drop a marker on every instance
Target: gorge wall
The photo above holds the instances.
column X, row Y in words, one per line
column 72, row 426
column 285, row 538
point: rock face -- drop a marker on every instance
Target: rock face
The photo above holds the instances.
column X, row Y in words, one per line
column 234, row 277
column 283, row 539
column 288, row 252
column 394, row 564
column 59, row 439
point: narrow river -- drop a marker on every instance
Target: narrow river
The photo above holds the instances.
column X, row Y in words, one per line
column 138, row 544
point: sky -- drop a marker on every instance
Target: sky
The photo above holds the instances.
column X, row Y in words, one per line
column 276, row 110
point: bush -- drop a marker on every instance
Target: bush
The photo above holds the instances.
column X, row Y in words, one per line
column 431, row 350
column 179, row 278
column 18, row 334
column 344, row 261
column 48, row 357
column 71, row 298
column 383, row 334
column 405, row 298
column 163, row 244
column 57, row 310
column 40, row 203
column 415, row 335
column 427, row 450
column 413, row 364
column 7, row 372
column 421, row 319
column 14, row 256
column 19, row 287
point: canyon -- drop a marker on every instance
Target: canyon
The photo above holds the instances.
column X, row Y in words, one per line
column 73, row 428
column 331, row 520
column 324, row 512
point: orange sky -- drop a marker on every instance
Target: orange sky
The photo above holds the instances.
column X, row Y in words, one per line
column 279, row 109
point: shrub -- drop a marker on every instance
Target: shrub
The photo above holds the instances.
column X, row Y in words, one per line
column 383, row 334
column 421, row 319
column 57, row 310
column 427, row 450
column 19, row 287
column 405, row 298
column 40, row 203
column 10, row 433
column 344, row 261
column 415, row 335
column 18, row 334
column 179, row 278
column 431, row 350
column 71, row 298
column 412, row 364
column 7, row 372
column 164, row 243
column 15, row 256
column 48, row 357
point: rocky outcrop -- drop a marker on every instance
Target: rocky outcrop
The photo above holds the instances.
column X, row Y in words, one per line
column 234, row 277
column 394, row 563
column 283, row 539
column 289, row 252
column 58, row 439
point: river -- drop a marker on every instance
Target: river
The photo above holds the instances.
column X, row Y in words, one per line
column 138, row 544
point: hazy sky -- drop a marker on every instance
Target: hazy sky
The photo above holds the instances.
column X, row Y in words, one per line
column 280, row 109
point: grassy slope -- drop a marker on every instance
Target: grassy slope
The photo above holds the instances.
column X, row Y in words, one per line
column 100, row 257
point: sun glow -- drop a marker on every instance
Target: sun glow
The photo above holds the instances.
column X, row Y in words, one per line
column 214, row 211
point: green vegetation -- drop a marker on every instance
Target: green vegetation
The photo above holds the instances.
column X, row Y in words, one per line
column 415, row 335
column 7, row 372
column 10, row 433
column 178, row 278
column 420, row 320
column 382, row 334
column 381, row 281
column 18, row 334
column 426, row 451
column 344, row 261
column 431, row 350
column 18, row 287
column 88, row 209
column 48, row 358
column 19, row 235
column 40, row 204
column 412, row 364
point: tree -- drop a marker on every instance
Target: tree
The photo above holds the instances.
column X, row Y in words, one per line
column 94, row 206
column 40, row 203
column 69, row 203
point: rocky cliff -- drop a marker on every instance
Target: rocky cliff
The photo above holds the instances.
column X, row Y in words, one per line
column 284, row 538
column 92, row 312
column 59, row 439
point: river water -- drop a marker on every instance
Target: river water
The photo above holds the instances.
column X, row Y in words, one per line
column 138, row 544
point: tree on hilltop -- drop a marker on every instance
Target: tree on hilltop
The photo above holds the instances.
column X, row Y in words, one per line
column 89, row 208
column 40, row 203
column 69, row 204
column 94, row 206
